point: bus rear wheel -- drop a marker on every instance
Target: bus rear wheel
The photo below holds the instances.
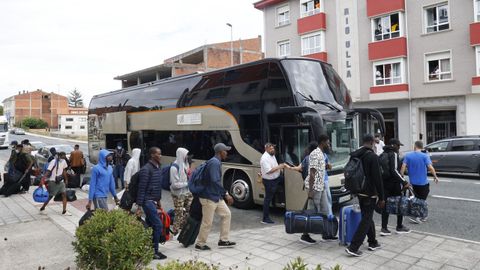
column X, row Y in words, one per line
column 240, row 189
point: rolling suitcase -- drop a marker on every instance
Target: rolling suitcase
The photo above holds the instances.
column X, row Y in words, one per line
column 350, row 217
column 189, row 232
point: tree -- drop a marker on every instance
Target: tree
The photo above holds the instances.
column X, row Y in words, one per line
column 1, row 110
column 75, row 99
column 31, row 122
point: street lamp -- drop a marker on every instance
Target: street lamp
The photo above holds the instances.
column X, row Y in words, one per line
column 231, row 43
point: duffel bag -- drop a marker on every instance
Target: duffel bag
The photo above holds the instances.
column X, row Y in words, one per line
column 397, row 205
column 40, row 195
column 71, row 196
column 418, row 208
column 304, row 221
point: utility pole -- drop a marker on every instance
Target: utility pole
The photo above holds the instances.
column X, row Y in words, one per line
column 231, row 43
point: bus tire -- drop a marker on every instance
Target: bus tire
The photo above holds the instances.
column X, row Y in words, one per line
column 239, row 187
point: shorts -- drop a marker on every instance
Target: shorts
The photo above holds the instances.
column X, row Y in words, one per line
column 55, row 188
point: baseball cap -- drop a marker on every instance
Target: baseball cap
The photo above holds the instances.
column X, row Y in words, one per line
column 394, row 141
column 221, row 147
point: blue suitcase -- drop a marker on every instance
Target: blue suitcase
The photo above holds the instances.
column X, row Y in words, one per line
column 350, row 217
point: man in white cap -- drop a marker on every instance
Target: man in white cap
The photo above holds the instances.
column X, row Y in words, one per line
column 213, row 200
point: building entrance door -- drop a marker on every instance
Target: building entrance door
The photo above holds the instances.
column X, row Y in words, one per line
column 440, row 125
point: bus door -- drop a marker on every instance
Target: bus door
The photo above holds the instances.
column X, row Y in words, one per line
column 361, row 118
column 115, row 129
column 294, row 141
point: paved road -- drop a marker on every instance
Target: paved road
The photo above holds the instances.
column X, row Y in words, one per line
column 453, row 204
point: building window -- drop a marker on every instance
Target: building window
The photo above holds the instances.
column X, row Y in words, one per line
column 312, row 43
column 438, row 66
column 82, row 127
column 283, row 48
column 388, row 73
column 283, row 15
column 436, row 18
column 477, row 53
column 386, row 27
column 68, row 127
column 309, row 7
column 476, row 10
column 69, row 119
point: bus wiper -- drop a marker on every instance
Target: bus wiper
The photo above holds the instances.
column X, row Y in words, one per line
column 324, row 103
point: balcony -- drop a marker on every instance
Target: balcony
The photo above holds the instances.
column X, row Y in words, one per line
column 476, row 85
column 389, row 88
column 320, row 56
column 475, row 34
column 379, row 7
column 390, row 48
column 312, row 23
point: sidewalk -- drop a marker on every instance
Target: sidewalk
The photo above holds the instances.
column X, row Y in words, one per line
column 266, row 248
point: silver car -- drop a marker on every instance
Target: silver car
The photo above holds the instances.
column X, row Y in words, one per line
column 44, row 153
column 457, row 154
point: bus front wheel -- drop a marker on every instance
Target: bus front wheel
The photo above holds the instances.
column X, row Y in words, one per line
column 241, row 191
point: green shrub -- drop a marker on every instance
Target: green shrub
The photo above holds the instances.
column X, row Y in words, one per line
column 31, row 122
column 113, row 240
column 299, row 264
column 188, row 265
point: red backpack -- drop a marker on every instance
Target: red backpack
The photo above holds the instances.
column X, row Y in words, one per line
column 165, row 218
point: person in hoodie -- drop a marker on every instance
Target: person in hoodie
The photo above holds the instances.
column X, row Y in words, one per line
column 101, row 182
column 181, row 195
column 371, row 196
column 393, row 183
column 133, row 166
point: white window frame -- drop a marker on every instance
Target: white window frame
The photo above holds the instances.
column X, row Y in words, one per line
column 402, row 78
column 400, row 30
column 477, row 54
column 313, row 11
column 320, row 48
column 476, row 10
column 437, row 24
column 438, row 56
column 287, row 49
column 281, row 10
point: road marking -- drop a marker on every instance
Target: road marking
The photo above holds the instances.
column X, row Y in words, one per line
column 446, row 181
column 476, row 183
column 455, row 198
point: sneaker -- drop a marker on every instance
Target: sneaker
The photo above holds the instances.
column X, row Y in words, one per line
column 416, row 220
column 403, row 229
column 374, row 246
column 306, row 239
column 329, row 239
column 385, row 232
column 267, row 221
column 226, row 244
column 205, row 247
column 66, row 213
column 159, row 256
column 357, row 253
column 423, row 219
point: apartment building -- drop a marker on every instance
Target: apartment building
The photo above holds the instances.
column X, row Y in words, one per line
column 418, row 62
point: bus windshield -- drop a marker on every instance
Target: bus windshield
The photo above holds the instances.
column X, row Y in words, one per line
column 312, row 79
column 341, row 134
column 3, row 127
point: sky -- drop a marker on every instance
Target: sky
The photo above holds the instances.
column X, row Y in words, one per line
column 60, row 45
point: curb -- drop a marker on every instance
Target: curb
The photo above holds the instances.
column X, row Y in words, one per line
column 448, row 237
column 50, row 137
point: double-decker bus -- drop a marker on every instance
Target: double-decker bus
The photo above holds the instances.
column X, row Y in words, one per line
column 288, row 102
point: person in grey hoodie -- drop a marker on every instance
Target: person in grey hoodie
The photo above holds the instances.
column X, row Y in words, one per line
column 182, row 197
column 101, row 182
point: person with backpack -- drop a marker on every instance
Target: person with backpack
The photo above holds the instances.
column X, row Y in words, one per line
column 369, row 194
column 393, row 183
column 181, row 195
column 133, row 166
column 417, row 163
column 57, row 181
column 213, row 198
column 101, row 182
column 149, row 195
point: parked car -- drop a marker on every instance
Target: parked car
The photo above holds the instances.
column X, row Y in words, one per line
column 19, row 131
column 456, row 154
column 44, row 153
column 36, row 146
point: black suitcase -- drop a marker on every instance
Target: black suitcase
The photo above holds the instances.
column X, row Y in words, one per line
column 71, row 196
column 189, row 232
column 73, row 181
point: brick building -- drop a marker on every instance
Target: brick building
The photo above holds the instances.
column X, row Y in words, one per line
column 204, row 58
column 417, row 62
column 37, row 104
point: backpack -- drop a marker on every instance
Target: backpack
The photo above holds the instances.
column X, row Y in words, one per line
column 165, row 219
column 197, row 183
column 166, row 176
column 385, row 166
column 355, row 179
column 133, row 186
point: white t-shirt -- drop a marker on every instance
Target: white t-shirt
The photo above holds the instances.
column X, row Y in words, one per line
column 62, row 165
column 379, row 147
column 267, row 162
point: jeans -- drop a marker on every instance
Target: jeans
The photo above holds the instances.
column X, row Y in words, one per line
column 421, row 192
column 329, row 198
column 390, row 191
column 118, row 171
column 270, row 189
column 100, row 203
column 366, row 226
column 153, row 220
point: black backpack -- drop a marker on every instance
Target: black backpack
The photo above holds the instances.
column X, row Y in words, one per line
column 355, row 179
column 385, row 166
column 133, row 186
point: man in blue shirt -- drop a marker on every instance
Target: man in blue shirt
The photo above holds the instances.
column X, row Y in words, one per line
column 213, row 199
column 417, row 163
